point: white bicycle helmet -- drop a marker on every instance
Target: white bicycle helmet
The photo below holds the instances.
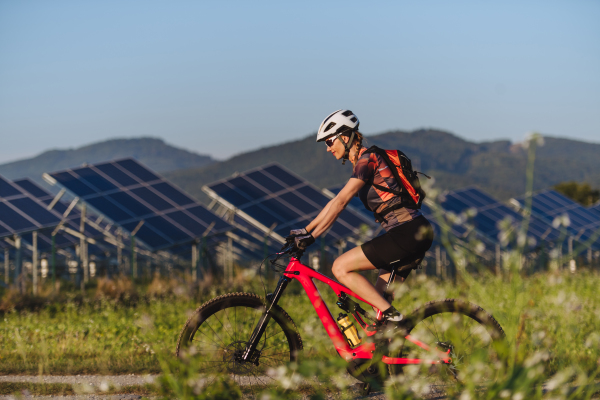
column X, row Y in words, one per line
column 340, row 122
column 336, row 123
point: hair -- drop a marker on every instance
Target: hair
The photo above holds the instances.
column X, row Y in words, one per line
column 358, row 140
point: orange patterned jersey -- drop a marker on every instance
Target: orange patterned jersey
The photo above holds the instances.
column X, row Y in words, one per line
column 372, row 169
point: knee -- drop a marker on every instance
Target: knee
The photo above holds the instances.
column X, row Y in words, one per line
column 338, row 269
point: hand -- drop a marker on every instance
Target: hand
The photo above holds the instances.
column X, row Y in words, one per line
column 302, row 242
column 294, row 233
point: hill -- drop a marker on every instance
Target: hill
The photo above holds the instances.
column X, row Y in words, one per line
column 155, row 153
column 497, row 167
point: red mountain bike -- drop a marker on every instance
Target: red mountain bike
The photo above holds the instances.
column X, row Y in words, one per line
column 244, row 335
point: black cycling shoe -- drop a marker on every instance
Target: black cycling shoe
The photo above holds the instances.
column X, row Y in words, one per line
column 393, row 320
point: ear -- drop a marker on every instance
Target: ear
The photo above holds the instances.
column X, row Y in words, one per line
column 345, row 138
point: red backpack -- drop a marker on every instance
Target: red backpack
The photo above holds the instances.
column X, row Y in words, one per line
column 410, row 191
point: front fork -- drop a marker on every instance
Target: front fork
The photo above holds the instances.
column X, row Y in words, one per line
column 249, row 352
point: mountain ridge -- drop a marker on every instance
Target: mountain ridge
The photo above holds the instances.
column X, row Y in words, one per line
column 497, row 167
column 154, row 152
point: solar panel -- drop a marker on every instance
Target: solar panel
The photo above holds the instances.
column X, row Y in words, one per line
column 127, row 192
column 72, row 221
column 490, row 213
column 272, row 195
column 548, row 204
column 595, row 209
column 20, row 212
column 354, row 202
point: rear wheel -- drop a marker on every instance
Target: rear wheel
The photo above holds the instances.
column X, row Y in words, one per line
column 215, row 336
column 471, row 336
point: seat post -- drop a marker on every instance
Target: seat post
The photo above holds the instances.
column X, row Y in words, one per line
column 386, row 293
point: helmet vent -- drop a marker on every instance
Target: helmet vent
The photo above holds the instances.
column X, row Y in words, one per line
column 353, row 119
column 331, row 125
column 347, row 113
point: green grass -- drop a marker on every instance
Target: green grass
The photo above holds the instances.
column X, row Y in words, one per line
column 555, row 313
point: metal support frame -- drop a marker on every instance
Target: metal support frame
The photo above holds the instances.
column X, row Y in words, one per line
column 6, row 266
column 53, row 260
column 119, row 250
column 134, row 272
column 18, row 261
column 572, row 262
column 194, row 263
column 34, row 262
column 133, row 259
column 229, row 271
column 83, row 247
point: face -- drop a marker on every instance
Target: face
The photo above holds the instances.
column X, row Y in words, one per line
column 337, row 148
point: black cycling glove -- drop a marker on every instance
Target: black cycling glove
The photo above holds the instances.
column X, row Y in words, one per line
column 302, row 242
column 295, row 233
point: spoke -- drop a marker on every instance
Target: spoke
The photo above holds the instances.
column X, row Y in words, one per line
column 223, row 326
column 256, row 377
column 273, row 345
column 275, row 334
column 218, row 346
column 229, row 320
column 274, row 358
column 430, row 331
column 435, row 327
column 200, row 341
column 219, row 337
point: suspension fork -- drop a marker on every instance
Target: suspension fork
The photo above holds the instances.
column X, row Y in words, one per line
column 264, row 320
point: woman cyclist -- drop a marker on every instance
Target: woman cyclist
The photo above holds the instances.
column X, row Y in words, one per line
column 408, row 233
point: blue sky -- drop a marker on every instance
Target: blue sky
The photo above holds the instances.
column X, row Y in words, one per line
column 225, row 77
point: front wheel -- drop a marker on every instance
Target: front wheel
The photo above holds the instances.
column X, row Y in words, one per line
column 470, row 335
column 215, row 335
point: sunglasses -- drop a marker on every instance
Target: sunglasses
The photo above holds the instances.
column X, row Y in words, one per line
column 329, row 142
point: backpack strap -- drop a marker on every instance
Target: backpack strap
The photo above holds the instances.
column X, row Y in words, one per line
column 394, row 169
column 406, row 195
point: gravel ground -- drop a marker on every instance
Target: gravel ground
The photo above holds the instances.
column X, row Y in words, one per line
column 94, row 383
column 80, row 397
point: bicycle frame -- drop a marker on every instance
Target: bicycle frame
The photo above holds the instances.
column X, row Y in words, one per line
column 305, row 275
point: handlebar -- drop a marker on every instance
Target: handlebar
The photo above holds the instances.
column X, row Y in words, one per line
column 287, row 249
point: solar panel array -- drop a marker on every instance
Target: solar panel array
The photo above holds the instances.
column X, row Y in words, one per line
column 354, row 202
column 127, row 192
column 595, row 209
column 72, row 220
column 272, row 195
column 549, row 204
column 490, row 214
column 21, row 213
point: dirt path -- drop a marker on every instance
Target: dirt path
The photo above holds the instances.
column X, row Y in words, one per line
column 101, row 382
column 96, row 384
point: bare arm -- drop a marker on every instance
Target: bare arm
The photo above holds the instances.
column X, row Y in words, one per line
column 332, row 210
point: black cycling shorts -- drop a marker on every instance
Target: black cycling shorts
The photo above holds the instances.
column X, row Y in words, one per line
column 402, row 243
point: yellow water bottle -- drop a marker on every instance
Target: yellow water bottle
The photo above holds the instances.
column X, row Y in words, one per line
column 349, row 330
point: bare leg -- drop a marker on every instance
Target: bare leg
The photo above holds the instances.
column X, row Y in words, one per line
column 355, row 260
column 381, row 283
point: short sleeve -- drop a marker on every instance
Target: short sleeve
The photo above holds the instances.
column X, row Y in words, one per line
column 365, row 168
